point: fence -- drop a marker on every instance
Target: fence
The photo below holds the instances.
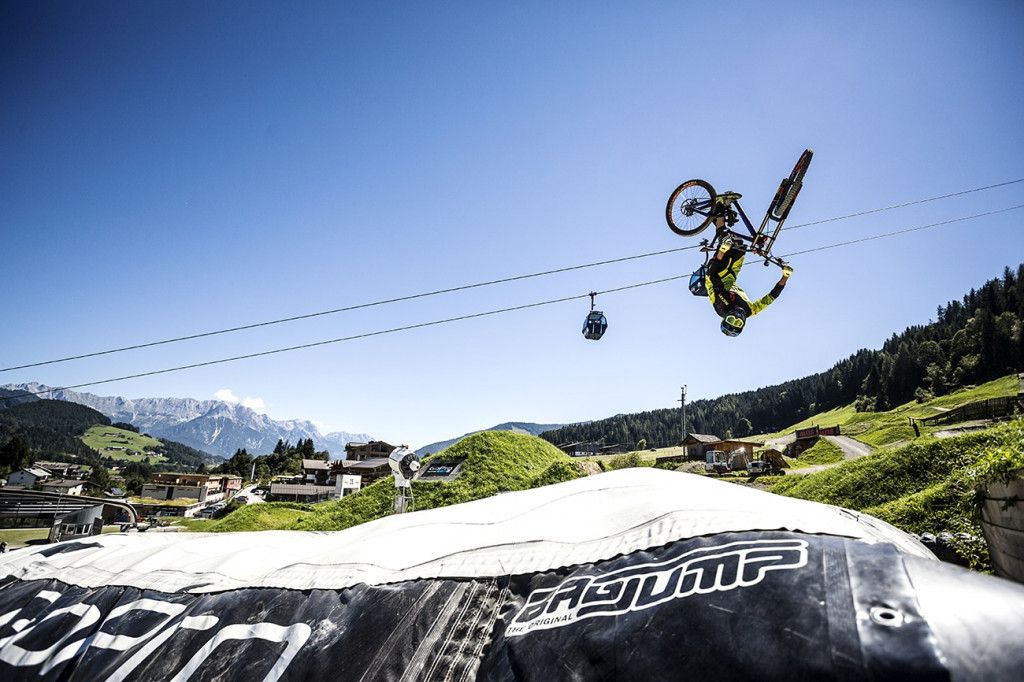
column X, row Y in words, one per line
column 991, row 408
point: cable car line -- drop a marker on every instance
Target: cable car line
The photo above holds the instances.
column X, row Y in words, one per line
column 484, row 314
column 904, row 205
column 476, row 285
column 315, row 344
column 905, row 231
column 349, row 308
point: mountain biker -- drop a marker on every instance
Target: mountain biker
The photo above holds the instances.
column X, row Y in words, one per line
column 730, row 301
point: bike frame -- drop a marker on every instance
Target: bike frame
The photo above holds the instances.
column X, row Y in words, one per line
column 762, row 239
column 727, row 205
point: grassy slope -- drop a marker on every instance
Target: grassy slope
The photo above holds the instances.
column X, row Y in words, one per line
column 135, row 443
column 269, row 516
column 885, row 428
column 822, row 452
column 496, row 461
column 927, row 486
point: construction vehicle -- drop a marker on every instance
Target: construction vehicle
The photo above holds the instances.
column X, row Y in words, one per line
column 768, row 462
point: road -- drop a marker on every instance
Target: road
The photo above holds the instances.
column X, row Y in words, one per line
column 250, row 497
column 852, row 449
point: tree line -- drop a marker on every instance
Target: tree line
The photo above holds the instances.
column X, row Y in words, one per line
column 51, row 430
column 285, row 459
column 973, row 340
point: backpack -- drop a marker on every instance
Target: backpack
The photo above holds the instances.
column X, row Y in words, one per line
column 698, row 286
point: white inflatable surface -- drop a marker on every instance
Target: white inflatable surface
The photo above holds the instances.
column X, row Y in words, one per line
column 582, row 521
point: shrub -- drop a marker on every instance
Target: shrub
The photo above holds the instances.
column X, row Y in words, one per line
column 928, row 486
column 627, row 461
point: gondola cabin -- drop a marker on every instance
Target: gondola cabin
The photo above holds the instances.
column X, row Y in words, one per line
column 595, row 325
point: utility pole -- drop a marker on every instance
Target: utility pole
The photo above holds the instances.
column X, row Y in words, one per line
column 682, row 402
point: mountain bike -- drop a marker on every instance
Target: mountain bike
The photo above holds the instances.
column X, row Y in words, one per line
column 694, row 205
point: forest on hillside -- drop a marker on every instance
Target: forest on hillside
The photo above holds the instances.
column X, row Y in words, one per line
column 51, row 429
column 973, row 340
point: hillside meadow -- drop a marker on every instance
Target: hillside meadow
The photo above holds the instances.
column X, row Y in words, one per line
column 496, row 462
column 928, row 486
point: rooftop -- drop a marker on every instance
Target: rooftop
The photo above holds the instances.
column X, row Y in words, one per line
column 289, row 489
column 317, row 464
column 703, row 437
column 63, row 483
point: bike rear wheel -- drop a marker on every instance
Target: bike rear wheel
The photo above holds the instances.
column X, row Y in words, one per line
column 689, row 207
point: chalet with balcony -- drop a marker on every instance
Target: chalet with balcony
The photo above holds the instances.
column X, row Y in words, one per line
column 373, row 450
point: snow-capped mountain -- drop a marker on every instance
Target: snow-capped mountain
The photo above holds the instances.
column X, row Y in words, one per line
column 213, row 426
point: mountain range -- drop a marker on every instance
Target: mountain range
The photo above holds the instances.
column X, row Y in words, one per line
column 213, row 426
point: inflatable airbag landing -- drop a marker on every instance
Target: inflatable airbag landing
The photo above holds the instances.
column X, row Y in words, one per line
column 619, row 586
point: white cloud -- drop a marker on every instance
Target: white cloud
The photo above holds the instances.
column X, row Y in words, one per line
column 253, row 403
column 227, row 395
column 323, row 427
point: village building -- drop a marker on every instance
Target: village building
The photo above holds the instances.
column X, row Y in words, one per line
column 740, row 451
column 57, row 517
column 697, row 445
column 203, row 488
column 288, row 492
column 316, row 471
column 582, row 449
column 372, row 450
column 369, row 470
column 63, row 486
column 28, row 477
column 346, row 484
column 69, row 470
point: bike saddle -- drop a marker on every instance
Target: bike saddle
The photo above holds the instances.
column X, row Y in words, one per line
column 728, row 197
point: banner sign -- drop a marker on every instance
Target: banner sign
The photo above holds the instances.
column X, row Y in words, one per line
column 750, row 605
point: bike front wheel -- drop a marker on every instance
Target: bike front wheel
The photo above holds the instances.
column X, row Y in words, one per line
column 790, row 187
column 689, row 207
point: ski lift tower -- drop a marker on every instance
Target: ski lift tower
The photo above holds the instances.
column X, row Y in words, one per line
column 403, row 464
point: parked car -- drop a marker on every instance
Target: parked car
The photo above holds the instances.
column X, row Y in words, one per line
column 243, row 499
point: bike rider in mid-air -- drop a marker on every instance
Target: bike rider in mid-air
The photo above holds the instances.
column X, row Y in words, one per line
column 730, row 301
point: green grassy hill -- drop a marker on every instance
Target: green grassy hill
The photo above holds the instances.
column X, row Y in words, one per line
column 822, row 452
column 57, row 429
column 885, row 428
column 496, row 462
column 270, row 516
column 122, row 444
column 50, row 427
column 924, row 487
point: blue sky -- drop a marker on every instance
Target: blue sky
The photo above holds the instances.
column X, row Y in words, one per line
column 170, row 168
